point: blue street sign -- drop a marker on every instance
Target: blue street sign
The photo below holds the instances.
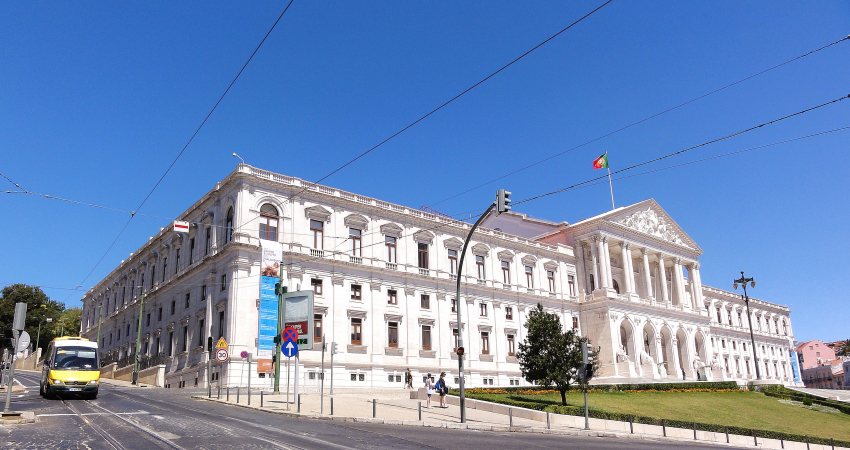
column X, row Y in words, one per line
column 289, row 348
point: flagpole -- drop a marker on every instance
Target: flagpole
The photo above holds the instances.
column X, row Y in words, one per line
column 610, row 183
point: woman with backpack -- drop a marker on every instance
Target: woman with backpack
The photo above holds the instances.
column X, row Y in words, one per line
column 442, row 389
column 429, row 388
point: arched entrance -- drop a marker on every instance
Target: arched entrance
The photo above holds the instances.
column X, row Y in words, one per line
column 666, row 357
column 684, row 358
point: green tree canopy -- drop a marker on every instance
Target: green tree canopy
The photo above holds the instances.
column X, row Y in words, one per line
column 550, row 356
column 39, row 308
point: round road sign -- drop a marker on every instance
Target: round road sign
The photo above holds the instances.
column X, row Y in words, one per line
column 290, row 334
column 221, row 355
column 244, row 354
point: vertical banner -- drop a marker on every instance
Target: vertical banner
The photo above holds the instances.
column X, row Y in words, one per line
column 795, row 368
column 272, row 253
column 299, row 315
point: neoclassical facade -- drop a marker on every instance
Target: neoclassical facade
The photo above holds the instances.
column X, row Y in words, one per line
column 384, row 276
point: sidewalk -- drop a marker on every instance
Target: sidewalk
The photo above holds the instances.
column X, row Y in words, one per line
column 397, row 408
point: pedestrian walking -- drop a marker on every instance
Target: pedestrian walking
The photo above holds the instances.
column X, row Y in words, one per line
column 429, row 389
column 442, row 389
column 408, row 379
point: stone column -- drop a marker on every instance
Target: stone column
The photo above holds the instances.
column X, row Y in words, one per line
column 697, row 281
column 647, row 276
column 594, row 251
column 607, row 262
column 662, row 280
column 601, row 246
column 627, row 278
column 631, row 269
column 679, row 282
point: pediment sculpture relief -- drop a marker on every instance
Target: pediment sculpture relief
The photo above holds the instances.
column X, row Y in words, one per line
column 648, row 222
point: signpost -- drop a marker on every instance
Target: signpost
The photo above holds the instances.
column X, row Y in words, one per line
column 221, row 355
column 181, row 226
column 289, row 348
column 18, row 323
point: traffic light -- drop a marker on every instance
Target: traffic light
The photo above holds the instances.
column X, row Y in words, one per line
column 276, row 339
column 209, row 343
column 588, row 372
column 503, row 201
column 277, row 289
column 333, row 348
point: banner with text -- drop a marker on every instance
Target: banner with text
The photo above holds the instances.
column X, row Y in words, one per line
column 272, row 253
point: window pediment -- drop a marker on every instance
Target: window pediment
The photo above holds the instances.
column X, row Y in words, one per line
column 423, row 237
column 550, row 265
column 357, row 313
column 356, row 221
column 480, row 249
column 453, row 243
column 391, row 229
column 318, row 212
column 506, row 255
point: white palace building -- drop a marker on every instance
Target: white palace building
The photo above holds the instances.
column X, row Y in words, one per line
column 384, row 276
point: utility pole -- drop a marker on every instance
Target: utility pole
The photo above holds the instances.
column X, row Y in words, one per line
column 322, row 379
column 279, row 289
column 502, row 204
column 38, row 335
column 743, row 282
column 137, row 356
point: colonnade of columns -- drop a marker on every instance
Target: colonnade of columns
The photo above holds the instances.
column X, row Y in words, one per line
column 602, row 272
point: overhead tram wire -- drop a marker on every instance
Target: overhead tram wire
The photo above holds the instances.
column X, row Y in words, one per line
column 191, row 139
column 456, row 96
column 684, row 150
column 643, row 120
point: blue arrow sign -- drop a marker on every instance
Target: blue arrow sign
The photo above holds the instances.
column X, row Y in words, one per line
column 289, row 349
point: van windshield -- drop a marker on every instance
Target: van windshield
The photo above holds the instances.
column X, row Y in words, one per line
column 75, row 358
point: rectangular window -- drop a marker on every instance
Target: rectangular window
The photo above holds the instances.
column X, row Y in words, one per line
column 356, row 237
column 425, row 301
column 571, row 284
column 454, row 305
column 509, row 313
column 170, row 343
column 575, row 323
column 356, row 331
column 164, row 268
column 128, row 330
column 176, row 260
column 479, row 263
column 185, row 338
column 317, row 286
column 356, row 292
column 191, row 251
column 391, row 248
column 452, row 261
column 141, row 286
column 529, row 277
column 506, row 272
column 423, row 255
column 392, row 297
column 158, row 347
column 221, row 323
column 392, row 334
column 201, row 332
column 159, row 314
column 318, row 229
column 317, row 327
column 592, row 283
column 207, row 241
column 485, row 343
column 188, row 297
column 456, row 338
column 148, row 320
column 482, row 308
column 173, row 307
column 153, row 275
column 426, row 337
column 223, row 282
column 511, row 345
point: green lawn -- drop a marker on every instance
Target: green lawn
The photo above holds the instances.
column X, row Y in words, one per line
column 742, row 409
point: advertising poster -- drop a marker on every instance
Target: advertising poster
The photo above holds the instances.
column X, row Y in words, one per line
column 795, row 368
column 299, row 315
column 269, row 276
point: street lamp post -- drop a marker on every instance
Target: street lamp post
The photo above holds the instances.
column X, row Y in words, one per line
column 38, row 335
column 743, row 282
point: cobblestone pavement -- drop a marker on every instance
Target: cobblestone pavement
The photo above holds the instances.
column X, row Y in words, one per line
column 145, row 418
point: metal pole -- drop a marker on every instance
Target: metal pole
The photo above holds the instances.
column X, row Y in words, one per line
column 332, row 370
column 459, row 322
column 374, row 408
column 298, row 396
column 261, row 399
column 322, row 380
column 278, row 339
column 99, row 323
column 510, row 417
column 136, row 357
column 752, row 337
column 419, row 408
column 11, row 372
column 586, row 416
column 287, row 384
column 37, row 338
column 332, row 406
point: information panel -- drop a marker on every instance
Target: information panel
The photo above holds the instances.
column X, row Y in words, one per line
column 299, row 315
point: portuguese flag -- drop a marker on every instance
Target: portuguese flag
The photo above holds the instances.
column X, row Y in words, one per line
column 601, row 162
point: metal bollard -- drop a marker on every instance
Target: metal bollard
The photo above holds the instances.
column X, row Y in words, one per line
column 228, row 394
column 511, row 417
column 299, row 404
column 631, row 425
column 755, row 438
column 807, row 443
column 664, row 427
column 420, row 411
column 332, row 406
column 695, row 431
column 832, row 443
column 249, row 396
column 548, row 423
column 209, row 390
column 782, row 443
column 261, row 399
column 726, row 430
column 374, row 408
column 238, row 389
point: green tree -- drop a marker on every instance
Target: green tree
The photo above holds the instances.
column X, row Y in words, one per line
column 39, row 308
column 69, row 322
column 843, row 348
column 549, row 356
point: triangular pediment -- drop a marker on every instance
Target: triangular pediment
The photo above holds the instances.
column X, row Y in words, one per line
column 649, row 218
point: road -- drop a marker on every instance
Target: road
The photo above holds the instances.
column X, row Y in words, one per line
column 145, row 418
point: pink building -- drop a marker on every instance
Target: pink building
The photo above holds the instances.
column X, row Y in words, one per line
column 814, row 353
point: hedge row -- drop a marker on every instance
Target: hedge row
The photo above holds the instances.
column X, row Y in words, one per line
column 788, row 394
column 701, row 386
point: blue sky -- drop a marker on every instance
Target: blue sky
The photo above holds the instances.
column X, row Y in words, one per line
column 97, row 98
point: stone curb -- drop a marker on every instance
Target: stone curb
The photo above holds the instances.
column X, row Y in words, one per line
column 472, row 427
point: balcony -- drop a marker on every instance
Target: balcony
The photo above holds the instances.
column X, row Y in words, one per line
column 317, row 253
column 355, row 259
column 392, row 266
column 424, row 272
column 482, row 282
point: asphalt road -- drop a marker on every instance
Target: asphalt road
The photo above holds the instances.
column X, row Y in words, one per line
column 147, row 418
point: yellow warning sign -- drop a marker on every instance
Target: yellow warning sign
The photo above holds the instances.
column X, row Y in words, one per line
column 221, row 344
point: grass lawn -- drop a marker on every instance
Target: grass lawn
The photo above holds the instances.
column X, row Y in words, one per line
column 742, row 409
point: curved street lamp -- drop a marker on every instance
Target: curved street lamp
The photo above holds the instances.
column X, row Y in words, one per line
column 743, row 282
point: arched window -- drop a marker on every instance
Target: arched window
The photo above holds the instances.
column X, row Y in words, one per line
column 268, row 222
column 228, row 225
